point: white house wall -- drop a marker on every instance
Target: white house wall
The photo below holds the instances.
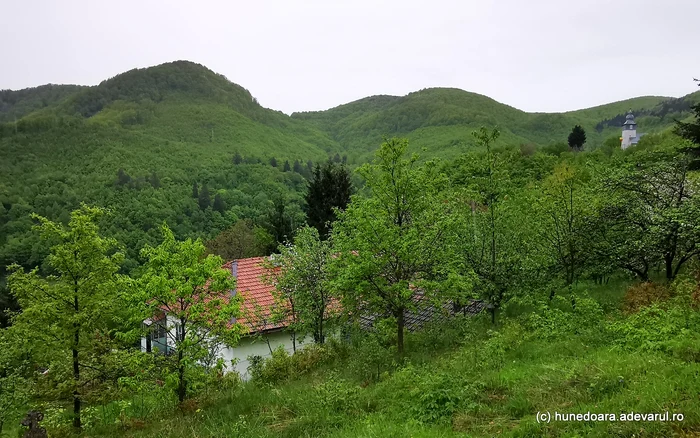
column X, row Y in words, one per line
column 255, row 347
column 246, row 347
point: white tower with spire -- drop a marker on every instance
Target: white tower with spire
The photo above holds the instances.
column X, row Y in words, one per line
column 629, row 131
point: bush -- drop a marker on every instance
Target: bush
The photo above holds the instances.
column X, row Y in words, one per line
column 643, row 295
column 336, row 395
column 444, row 334
column 562, row 316
column 282, row 366
column 276, row 368
column 437, row 396
column 667, row 326
column 369, row 359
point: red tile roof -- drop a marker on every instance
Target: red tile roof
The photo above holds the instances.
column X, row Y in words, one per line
column 255, row 292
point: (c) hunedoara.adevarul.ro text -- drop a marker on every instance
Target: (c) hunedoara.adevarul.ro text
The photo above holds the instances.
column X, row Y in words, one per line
column 547, row 417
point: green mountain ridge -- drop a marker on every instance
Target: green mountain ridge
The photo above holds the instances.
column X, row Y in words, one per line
column 186, row 102
column 16, row 104
column 441, row 119
column 180, row 123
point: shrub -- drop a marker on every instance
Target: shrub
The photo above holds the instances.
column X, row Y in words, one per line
column 309, row 358
column 667, row 326
column 562, row 316
column 281, row 366
column 644, row 294
column 276, row 368
column 446, row 333
column 369, row 359
column 438, row 395
column 336, row 395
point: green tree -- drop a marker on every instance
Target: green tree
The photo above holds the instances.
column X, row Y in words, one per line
column 122, row 178
column 194, row 292
column 279, row 222
column 66, row 318
column 273, row 162
column 492, row 238
column 391, row 247
column 154, row 180
column 577, row 138
column 691, row 131
column 219, row 204
column 286, row 167
column 237, row 158
column 329, row 189
column 204, row 200
column 15, row 386
column 302, row 283
column 241, row 241
column 652, row 213
column 565, row 214
column 195, row 190
column 298, row 167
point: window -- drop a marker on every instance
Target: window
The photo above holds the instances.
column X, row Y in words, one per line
column 160, row 330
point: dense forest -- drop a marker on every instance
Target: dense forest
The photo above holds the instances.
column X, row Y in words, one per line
column 121, row 200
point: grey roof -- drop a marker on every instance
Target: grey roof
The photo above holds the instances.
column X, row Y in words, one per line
column 416, row 320
column 629, row 119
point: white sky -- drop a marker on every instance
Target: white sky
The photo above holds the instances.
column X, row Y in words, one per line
column 296, row 55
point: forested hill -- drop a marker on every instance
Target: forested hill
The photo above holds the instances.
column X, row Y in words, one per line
column 176, row 143
column 141, row 141
column 441, row 119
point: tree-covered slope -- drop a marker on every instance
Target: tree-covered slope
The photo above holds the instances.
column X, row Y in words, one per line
column 137, row 143
column 183, row 101
column 16, row 104
column 441, row 119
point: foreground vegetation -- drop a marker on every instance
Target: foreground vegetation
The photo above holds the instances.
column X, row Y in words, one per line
column 463, row 376
column 586, row 260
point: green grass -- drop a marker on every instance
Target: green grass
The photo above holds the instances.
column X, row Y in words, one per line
column 463, row 379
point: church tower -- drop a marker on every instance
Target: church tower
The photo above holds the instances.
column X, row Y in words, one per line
column 629, row 131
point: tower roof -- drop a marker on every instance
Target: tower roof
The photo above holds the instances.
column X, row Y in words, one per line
column 629, row 119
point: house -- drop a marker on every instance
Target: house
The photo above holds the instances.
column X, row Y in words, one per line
column 262, row 334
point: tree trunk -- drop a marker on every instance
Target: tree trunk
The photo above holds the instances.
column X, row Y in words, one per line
column 76, row 367
column 669, row 267
column 76, row 380
column 399, row 326
column 321, row 338
column 182, row 384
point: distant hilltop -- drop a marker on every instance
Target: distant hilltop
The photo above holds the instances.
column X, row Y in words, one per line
column 155, row 100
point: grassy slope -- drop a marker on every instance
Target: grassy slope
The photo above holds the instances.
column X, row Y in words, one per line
column 491, row 384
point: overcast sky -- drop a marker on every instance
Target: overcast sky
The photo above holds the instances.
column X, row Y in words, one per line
column 296, row 55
